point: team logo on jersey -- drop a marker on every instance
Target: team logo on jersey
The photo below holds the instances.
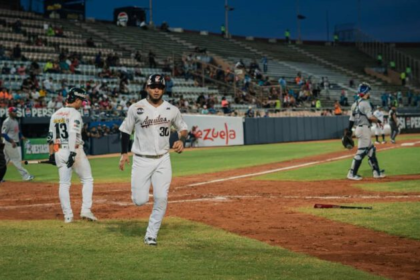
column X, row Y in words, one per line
column 158, row 121
column 168, row 108
column 76, row 123
column 140, row 111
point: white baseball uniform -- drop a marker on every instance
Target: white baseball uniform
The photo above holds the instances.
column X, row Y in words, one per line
column 14, row 155
column 379, row 127
column 65, row 131
column 151, row 161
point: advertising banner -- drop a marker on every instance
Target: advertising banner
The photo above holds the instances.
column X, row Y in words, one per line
column 216, row 130
column 35, row 148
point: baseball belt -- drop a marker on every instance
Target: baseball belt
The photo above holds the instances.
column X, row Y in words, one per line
column 150, row 156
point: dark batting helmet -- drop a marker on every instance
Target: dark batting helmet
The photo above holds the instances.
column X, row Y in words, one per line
column 156, row 80
column 364, row 88
column 76, row 93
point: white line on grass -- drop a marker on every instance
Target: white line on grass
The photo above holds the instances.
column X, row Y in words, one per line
column 272, row 171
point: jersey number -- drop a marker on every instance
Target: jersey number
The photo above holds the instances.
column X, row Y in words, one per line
column 61, row 130
column 164, row 131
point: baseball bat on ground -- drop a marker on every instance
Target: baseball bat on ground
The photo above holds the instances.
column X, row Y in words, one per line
column 340, row 206
column 37, row 162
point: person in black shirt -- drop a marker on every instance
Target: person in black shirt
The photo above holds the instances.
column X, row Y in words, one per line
column 3, row 165
column 393, row 123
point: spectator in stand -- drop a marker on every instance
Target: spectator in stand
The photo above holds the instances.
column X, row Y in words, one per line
column 5, row 95
column 403, row 76
column 21, row 70
column 51, row 104
column 115, row 129
column 94, row 133
column 152, row 61
column 48, row 85
column 59, row 102
column 223, row 30
column 90, row 43
column 250, row 113
column 17, row 52
column 17, row 26
column 138, row 57
column 204, row 111
column 379, row 59
column 337, row 109
column 225, row 106
column 169, row 85
column 400, row 97
column 73, row 66
column 264, row 62
column 287, row 36
column 343, row 98
column 409, row 98
column 2, row 53
column 58, row 31
column 5, row 70
column 34, row 69
column 351, row 83
column 318, row 105
column 50, row 31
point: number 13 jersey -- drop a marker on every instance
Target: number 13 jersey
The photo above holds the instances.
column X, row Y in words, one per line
column 152, row 126
column 64, row 121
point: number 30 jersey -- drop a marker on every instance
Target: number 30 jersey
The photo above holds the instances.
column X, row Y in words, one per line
column 152, row 126
column 65, row 121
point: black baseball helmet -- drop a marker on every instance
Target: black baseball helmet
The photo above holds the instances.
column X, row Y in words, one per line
column 76, row 93
column 156, row 79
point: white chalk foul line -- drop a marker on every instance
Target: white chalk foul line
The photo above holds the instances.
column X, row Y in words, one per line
column 271, row 171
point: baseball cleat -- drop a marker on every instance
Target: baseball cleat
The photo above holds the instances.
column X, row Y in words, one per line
column 377, row 142
column 150, row 241
column 30, row 178
column 393, row 141
column 68, row 219
column 383, row 142
column 379, row 175
column 354, row 177
column 88, row 216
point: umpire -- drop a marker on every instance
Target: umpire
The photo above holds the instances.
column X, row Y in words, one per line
column 362, row 117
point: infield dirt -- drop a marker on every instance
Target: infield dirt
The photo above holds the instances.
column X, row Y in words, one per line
column 263, row 210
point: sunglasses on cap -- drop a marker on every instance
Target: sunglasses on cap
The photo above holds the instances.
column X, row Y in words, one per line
column 157, row 86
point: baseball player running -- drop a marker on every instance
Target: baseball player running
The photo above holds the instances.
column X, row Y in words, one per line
column 151, row 118
column 379, row 127
column 12, row 137
column 66, row 151
column 362, row 117
column 393, row 123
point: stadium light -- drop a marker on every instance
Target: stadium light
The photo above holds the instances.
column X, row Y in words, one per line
column 227, row 10
column 151, row 13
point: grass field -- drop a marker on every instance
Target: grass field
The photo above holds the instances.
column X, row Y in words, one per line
column 401, row 161
column 113, row 250
column 401, row 186
column 193, row 162
column 401, row 219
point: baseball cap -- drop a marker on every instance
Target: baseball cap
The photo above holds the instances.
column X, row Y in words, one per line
column 12, row 110
column 156, row 79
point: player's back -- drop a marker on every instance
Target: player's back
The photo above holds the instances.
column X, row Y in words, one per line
column 60, row 124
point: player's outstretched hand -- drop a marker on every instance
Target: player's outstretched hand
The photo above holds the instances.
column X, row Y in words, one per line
column 124, row 160
column 178, row 146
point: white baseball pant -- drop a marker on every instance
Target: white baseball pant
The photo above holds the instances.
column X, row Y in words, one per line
column 156, row 172
column 14, row 155
column 379, row 129
column 82, row 168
